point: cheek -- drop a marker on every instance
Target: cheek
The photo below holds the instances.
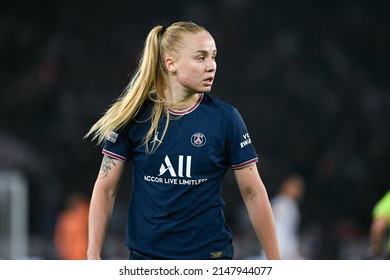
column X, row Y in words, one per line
column 187, row 76
column 190, row 74
column 187, row 80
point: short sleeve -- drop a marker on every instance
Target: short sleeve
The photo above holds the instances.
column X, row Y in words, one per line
column 118, row 146
column 240, row 150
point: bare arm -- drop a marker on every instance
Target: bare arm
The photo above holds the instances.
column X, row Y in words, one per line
column 378, row 230
column 102, row 204
column 257, row 203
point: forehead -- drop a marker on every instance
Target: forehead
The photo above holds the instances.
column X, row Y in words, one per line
column 199, row 42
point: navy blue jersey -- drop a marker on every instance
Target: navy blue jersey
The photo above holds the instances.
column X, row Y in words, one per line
column 176, row 208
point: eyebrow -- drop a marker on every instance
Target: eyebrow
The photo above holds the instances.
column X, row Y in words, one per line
column 205, row 51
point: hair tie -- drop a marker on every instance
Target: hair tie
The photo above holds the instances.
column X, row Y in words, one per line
column 163, row 29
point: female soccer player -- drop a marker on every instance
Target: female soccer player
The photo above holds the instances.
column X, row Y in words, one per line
column 181, row 141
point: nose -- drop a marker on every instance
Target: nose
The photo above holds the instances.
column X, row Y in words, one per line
column 211, row 65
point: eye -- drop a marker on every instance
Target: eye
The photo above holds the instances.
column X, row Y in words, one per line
column 201, row 57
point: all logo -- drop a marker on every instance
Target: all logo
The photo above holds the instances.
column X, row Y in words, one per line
column 198, row 139
column 180, row 174
column 183, row 167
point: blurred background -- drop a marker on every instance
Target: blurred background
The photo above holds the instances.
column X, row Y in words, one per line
column 310, row 78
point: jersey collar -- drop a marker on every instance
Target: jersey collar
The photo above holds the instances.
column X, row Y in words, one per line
column 188, row 110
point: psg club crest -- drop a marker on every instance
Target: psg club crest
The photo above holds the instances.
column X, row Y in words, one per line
column 198, row 139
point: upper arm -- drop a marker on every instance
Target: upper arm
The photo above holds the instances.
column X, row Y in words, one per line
column 110, row 174
column 249, row 181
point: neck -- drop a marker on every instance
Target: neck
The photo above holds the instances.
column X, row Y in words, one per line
column 182, row 102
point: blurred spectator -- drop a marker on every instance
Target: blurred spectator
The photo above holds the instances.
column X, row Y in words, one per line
column 71, row 231
column 285, row 206
column 380, row 226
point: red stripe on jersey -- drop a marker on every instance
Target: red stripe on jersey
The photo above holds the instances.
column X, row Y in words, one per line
column 189, row 110
column 241, row 165
column 113, row 155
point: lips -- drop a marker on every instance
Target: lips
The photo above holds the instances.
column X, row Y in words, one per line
column 209, row 81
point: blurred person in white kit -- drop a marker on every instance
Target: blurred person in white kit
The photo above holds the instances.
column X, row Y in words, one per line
column 287, row 215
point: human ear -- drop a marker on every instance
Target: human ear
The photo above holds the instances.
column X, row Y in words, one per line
column 170, row 64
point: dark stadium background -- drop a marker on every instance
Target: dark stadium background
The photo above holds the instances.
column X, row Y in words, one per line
column 311, row 79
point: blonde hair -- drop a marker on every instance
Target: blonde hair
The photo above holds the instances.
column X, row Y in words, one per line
column 148, row 82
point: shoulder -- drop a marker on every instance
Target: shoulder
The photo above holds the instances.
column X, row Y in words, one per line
column 218, row 104
column 280, row 200
column 145, row 110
